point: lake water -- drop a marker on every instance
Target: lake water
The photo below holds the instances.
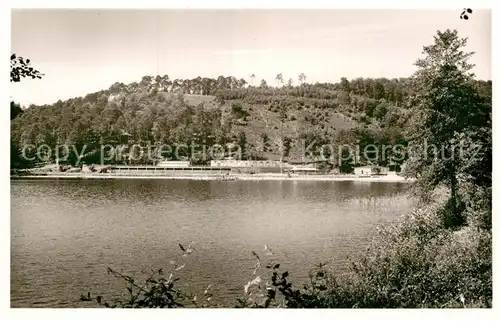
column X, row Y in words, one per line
column 65, row 233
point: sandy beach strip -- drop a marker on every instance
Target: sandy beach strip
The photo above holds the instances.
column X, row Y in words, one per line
column 233, row 177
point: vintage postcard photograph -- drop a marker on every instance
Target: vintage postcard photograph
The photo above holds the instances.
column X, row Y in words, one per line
column 251, row 158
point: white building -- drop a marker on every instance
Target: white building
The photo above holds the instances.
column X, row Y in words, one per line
column 304, row 170
column 369, row 170
column 244, row 163
column 166, row 163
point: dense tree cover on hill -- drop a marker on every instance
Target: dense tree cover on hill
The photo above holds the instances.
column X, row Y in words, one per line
column 158, row 110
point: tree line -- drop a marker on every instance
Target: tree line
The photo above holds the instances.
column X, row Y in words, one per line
column 159, row 110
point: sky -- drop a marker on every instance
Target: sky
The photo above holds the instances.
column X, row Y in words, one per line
column 83, row 51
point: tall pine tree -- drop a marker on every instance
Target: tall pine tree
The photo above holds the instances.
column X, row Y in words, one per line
column 449, row 117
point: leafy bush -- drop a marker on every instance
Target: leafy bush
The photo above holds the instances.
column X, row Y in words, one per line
column 416, row 263
column 155, row 292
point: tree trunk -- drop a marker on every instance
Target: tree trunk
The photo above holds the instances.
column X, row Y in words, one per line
column 454, row 188
column 455, row 217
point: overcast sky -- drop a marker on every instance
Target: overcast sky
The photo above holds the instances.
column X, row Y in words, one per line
column 83, row 51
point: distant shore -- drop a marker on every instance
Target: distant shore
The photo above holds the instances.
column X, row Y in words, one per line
column 232, row 177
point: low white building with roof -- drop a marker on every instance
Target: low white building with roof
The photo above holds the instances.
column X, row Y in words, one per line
column 370, row 170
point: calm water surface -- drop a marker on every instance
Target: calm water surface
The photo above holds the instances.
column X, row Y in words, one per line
column 65, row 233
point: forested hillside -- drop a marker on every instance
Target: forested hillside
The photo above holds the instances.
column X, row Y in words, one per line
column 265, row 121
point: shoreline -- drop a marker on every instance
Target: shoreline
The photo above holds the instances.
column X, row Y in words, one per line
column 231, row 178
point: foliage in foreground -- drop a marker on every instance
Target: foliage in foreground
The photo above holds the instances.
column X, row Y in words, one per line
column 21, row 68
column 415, row 263
column 419, row 264
column 156, row 291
